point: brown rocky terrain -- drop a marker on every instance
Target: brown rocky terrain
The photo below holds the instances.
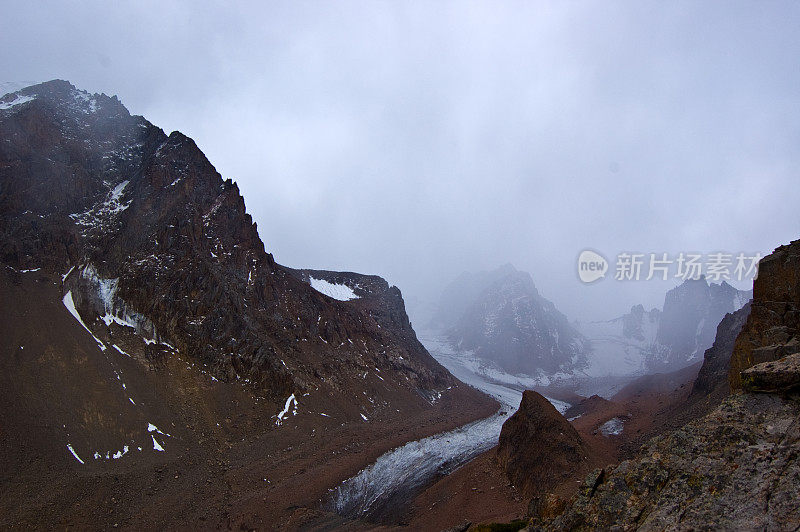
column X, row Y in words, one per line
column 772, row 330
column 736, row 468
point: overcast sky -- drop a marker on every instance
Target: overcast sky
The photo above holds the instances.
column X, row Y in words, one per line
column 416, row 140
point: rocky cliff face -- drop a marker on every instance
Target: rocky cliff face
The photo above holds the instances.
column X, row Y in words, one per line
column 150, row 238
column 538, row 448
column 736, row 467
column 772, row 330
column 508, row 322
column 712, row 381
column 689, row 321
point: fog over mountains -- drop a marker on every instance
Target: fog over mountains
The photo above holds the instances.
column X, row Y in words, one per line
column 514, row 133
column 500, row 317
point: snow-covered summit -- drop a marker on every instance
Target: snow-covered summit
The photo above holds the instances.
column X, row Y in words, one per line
column 60, row 93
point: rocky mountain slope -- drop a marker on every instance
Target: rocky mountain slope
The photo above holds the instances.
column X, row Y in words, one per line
column 150, row 335
column 502, row 318
column 151, row 236
column 712, row 381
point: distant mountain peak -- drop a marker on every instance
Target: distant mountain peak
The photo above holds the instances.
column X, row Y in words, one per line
column 502, row 317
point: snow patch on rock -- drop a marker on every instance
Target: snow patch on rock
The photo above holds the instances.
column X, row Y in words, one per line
column 16, row 101
column 342, row 292
column 285, row 412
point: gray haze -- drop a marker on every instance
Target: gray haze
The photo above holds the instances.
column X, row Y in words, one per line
column 416, row 140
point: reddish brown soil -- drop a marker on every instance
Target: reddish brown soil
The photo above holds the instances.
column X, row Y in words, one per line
column 225, row 465
column 477, row 492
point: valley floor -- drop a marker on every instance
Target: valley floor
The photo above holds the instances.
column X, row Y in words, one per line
column 67, row 408
column 224, row 464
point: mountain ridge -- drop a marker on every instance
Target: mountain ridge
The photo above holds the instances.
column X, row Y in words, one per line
column 91, row 190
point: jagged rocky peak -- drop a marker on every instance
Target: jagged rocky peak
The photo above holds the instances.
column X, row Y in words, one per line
column 461, row 293
column 689, row 321
column 772, row 330
column 67, row 99
column 637, row 322
column 145, row 230
column 501, row 316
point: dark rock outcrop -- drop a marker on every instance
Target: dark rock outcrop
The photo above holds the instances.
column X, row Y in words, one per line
column 538, row 448
column 712, row 380
column 772, row 330
column 779, row 376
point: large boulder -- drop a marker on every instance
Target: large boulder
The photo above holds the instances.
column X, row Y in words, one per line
column 779, row 376
column 538, row 447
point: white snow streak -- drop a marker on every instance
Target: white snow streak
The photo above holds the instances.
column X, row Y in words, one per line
column 78, row 458
column 64, row 277
column 70, row 304
column 286, row 408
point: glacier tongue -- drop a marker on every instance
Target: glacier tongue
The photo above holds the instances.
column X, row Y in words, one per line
column 396, row 475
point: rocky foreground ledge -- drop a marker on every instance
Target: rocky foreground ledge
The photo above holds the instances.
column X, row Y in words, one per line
column 735, row 468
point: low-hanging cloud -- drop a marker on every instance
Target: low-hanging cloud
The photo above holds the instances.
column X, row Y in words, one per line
column 417, row 140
